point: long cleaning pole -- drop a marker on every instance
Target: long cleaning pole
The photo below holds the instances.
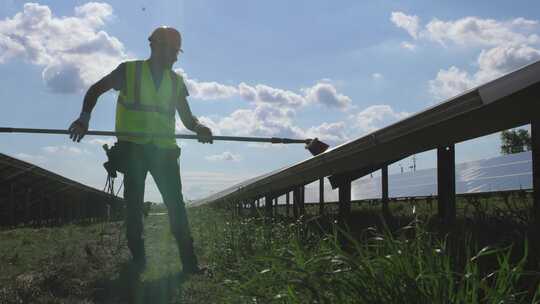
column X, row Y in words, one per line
column 273, row 140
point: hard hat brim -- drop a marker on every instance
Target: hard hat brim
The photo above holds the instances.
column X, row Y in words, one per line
column 150, row 39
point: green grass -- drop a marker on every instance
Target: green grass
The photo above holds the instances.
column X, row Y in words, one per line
column 48, row 265
column 292, row 263
column 257, row 260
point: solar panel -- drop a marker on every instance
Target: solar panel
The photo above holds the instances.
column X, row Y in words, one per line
column 507, row 172
column 32, row 195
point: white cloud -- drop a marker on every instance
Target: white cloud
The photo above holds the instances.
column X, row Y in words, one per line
column 94, row 13
column 225, row 156
column 207, row 90
column 263, row 120
column 502, row 59
column 375, row 117
column 73, row 51
column 326, row 94
column 470, row 31
column 450, row 82
column 323, row 92
column 408, row 46
column 272, row 112
column 268, row 120
column 180, row 128
column 376, row 76
column 491, row 63
column 100, row 141
column 474, row 31
column 66, row 150
column 331, row 133
column 261, row 93
column 210, row 90
column 31, row 158
column 504, row 46
column 406, row 22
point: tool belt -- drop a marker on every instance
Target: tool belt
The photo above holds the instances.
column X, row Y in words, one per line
column 119, row 156
column 117, row 159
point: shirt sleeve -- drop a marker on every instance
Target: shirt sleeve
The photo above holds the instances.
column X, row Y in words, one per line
column 184, row 111
column 183, row 89
column 117, row 77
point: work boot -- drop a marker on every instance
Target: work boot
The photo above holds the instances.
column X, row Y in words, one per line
column 194, row 270
column 138, row 264
column 138, row 256
column 190, row 264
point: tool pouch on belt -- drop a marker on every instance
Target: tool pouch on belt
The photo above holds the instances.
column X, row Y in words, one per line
column 117, row 160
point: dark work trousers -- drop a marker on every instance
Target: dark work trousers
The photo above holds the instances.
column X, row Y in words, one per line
column 164, row 167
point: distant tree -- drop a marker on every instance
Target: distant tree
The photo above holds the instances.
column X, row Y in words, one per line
column 525, row 138
column 515, row 141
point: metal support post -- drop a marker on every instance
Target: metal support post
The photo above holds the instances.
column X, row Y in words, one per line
column 45, row 208
column 84, row 210
column 69, row 207
column 27, row 210
column 64, row 211
column 302, row 201
column 253, row 210
column 321, row 196
column 268, row 205
column 446, row 183
column 535, row 143
column 40, row 207
column 296, row 202
column 240, row 207
column 78, row 211
column 12, row 215
column 59, row 208
column 288, row 203
column 344, row 201
column 384, row 190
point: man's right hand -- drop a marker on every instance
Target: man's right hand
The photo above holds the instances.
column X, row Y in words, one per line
column 204, row 134
column 79, row 127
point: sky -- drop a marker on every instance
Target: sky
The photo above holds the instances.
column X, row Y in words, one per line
column 335, row 70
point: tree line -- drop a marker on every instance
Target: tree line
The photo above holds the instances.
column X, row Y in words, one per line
column 515, row 141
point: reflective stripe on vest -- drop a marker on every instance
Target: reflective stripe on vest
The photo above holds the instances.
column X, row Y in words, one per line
column 143, row 108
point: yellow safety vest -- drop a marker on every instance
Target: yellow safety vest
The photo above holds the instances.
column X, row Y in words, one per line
column 143, row 108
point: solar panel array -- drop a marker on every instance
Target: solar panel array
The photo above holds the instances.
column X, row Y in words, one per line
column 502, row 173
column 503, row 103
column 31, row 195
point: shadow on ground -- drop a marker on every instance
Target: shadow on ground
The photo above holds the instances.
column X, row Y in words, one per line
column 130, row 287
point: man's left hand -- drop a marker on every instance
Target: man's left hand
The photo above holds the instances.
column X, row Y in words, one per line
column 204, row 134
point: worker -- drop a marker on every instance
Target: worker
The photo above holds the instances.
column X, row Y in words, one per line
column 150, row 94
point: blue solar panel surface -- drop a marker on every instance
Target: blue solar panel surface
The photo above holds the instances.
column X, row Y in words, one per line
column 507, row 172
